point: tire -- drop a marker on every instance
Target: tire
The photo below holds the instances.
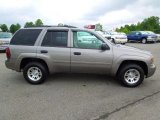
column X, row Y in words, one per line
column 113, row 40
column 2, row 51
column 132, row 80
column 35, row 73
column 144, row 40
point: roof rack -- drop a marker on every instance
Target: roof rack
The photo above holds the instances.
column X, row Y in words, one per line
column 68, row 26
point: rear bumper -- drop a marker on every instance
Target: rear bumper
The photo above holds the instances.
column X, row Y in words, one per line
column 9, row 65
column 3, row 48
column 120, row 40
column 151, row 70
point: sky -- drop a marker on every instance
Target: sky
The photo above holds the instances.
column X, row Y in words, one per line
column 110, row 13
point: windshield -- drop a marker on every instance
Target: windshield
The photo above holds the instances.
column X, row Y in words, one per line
column 144, row 32
column 150, row 32
column 5, row 35
column 114, row 33
column 107, row 33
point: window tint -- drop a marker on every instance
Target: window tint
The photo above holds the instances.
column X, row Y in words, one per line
column 86, row 40
column 5, row 35
column 55, row 39
column 137, row 33
column 25, row 37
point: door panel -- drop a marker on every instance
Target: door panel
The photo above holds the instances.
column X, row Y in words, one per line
column 57, row 58
column 55, row 50
column 91, row 61
column 87, row 56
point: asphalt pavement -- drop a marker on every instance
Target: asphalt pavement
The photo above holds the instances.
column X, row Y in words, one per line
column 79, row 96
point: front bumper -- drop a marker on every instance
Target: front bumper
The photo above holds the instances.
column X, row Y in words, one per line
column 158, row 39
column 151, row 39
column 151, row 70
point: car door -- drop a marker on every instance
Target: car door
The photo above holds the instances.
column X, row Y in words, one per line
column 86, row 55
column 131, row 36
column 55, row 51
column 138, row 36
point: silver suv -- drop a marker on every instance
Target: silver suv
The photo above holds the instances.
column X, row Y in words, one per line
column 40, row 51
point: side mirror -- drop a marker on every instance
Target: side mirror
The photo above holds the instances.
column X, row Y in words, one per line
column 104, row 47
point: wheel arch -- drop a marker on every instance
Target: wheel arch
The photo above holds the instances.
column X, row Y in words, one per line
column 142, row 64
column 143, row 38
column 25, row 61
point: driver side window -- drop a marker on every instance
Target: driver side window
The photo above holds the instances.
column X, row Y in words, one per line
column 86, row 40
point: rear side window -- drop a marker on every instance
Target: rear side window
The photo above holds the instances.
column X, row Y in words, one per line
column 26, row 37
column 55, row 39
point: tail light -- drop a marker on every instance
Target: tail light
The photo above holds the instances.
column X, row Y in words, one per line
column 8, row 53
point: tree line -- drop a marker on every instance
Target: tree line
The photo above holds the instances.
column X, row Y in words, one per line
column 149, row 24
column 14, row 27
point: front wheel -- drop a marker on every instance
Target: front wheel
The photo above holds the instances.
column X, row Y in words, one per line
column 144, row 40
column 131, row 75
column 35, row 73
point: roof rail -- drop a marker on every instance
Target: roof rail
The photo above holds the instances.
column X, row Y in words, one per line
column 68, row 26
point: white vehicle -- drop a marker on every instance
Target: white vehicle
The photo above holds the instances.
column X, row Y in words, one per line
column 158, row 37
column 5, row 38
column 152, row 33
column 85, row 37
column 118, row 37
column 104, row 34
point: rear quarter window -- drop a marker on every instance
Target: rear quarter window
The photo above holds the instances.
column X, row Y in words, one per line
column 26, row 37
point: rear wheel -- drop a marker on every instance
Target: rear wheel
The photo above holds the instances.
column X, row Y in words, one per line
column 35, row 73
column 131, row 75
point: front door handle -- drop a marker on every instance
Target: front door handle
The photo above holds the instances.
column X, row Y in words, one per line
column 44, row 51
column 77, row 53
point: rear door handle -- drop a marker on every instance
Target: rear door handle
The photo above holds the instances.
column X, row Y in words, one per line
column 44, row 51
column 77, row 53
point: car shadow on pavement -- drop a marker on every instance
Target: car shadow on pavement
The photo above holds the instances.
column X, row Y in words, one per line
column 81, row 79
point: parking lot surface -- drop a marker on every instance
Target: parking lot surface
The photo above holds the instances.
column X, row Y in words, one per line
column 79, row 96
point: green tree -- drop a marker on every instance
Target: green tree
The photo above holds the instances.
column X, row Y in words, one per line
column 4, row 28
column 126, row 30
column 149, row 24
column 132, row 27
column 117, row 30
column 14, row 27
column 38, row 22
column 29, row 24
column 99, row 27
